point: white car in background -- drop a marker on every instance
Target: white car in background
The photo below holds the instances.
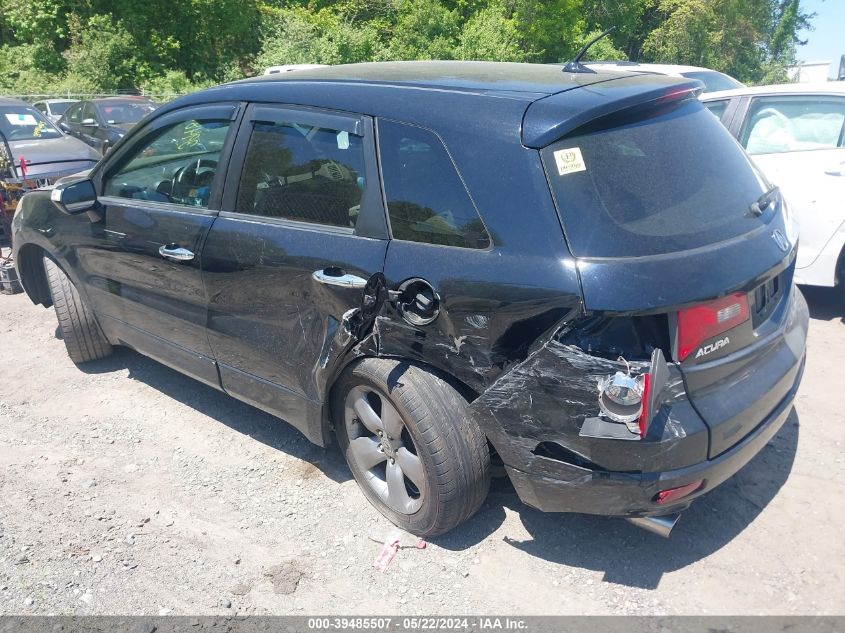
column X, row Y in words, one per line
column 286, row 68
column 795, row 133
column 713, row 80
column 53, row 109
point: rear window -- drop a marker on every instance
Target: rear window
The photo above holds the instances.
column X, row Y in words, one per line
column 713, row 81
column 654, row 182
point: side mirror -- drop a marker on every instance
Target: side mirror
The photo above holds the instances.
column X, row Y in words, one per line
column 90, row 123
column 74, row 197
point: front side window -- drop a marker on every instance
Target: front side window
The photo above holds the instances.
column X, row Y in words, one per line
column 89, row 113
column 175, row 164
column 426, row 199
column 794, row 124
column 25, row 123
column 74, row 115
column 303, row 173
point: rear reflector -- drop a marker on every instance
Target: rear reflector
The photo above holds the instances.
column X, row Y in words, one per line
column 673, row 494
column 644, row 415
column 703, row 322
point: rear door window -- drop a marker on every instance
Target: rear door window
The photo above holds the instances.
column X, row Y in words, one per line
column 794, row 124
column 651, row 182
column 426, row 198
column 304, row 173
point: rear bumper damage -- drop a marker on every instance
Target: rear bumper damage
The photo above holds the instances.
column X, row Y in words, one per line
column 532, row 416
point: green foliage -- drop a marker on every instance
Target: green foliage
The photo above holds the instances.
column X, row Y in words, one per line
column 172, row 46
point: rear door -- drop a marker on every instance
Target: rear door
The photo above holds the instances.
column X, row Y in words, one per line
column 301, row 228
column 799, row 142
column 142, row 260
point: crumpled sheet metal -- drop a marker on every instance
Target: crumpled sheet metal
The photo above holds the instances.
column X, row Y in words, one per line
column 547, row 397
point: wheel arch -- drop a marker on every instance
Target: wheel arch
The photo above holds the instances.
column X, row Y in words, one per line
column 466, row 392
column 30, row 261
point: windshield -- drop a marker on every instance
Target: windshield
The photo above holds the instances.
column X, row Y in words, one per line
column 658, row 182
column 118, row 113
column 713, row 81
column 24, row 123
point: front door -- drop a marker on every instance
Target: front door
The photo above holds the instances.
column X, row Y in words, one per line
column 798, row 143
column 301, row 228
column 142, row 266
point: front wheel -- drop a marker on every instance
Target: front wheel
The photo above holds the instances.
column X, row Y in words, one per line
column 411, row 445
column 84, row 340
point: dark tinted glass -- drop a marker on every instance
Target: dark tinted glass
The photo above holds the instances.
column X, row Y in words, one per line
column 659, row 182
column 426, row 199
column 303, row 173
column 58, row 108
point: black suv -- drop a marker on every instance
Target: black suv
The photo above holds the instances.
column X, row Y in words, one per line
column 578, row 275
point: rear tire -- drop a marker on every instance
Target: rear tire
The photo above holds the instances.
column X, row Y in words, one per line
column 411, row 445
column 82, row 335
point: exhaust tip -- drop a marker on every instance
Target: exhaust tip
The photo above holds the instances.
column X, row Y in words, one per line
column 662, row 526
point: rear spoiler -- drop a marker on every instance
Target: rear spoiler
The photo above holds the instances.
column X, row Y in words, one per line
column 550, row 118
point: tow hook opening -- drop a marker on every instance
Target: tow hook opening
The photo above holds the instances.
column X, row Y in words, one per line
column 662, row 525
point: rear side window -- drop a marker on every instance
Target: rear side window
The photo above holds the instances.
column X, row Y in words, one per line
column 303, row 173
column 793, row 124
column 717, row 108
column 653, row 182
column 426, row 198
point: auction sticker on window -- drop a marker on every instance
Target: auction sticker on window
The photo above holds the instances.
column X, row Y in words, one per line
column 569, row 161
column 21, row 119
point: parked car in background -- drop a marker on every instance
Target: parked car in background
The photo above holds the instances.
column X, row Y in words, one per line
column 103, row 122
column 286, row 68
column 53, row 109
column 713, row 80
column 796, row 134
column 567, row 281
column 48, row 153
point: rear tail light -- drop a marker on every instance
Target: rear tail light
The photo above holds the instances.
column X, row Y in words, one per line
column 631, row 399
column 707, row 320
column 673, row 494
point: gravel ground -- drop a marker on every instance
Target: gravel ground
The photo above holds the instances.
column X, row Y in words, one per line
column 127, row 488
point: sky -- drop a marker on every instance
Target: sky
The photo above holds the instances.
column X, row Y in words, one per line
column 827, row 41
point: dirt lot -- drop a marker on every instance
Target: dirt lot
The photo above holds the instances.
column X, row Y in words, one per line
column 128, row 488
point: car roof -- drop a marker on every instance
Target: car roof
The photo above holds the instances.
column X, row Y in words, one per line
column 118, row 100
column 499, row 77
column 7, row 101
column 491, row 98
column 821, row 88
column 57, row 101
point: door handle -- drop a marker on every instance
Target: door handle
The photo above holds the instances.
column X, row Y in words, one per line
column 336, row 277
column 175, row 253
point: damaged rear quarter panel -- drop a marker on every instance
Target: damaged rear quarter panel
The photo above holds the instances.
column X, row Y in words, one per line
column 547, row 397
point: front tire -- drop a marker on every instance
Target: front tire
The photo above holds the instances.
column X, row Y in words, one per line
column 411, row 445
column 82, row 335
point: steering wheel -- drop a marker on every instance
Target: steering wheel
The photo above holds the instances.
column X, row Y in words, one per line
column 191, row 177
